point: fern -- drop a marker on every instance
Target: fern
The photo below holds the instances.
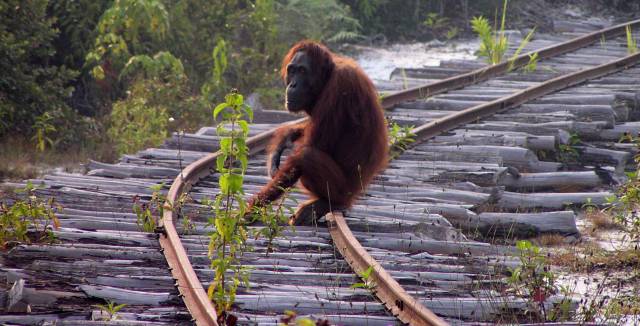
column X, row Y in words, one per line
column 344, row 37
column 494, row 43
column 325, row 20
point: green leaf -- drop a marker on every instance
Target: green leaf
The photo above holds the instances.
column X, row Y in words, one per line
column 244, row 126
column 98, row 73
column 235, row 183
column 248, row 111
column 244, row 162
column 224, row 183
column 220, row 163
column 358, row 285
column 305, row 322
column 219, row 109
column 225, row 145
column 367, row 273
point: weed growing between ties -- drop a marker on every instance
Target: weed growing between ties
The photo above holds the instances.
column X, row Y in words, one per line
column 147, row 214
column 274, row 218
column 632, row 43
column 228, row 240
column 608, row 291
column 291, row 318
column 624, row 206
column 534, row 281
column 567, row 153
column 110, row 310
column 400, row 137
column 29, row 219
column 367, row 280
column 494, row 43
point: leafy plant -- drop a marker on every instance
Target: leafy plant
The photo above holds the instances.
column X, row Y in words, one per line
column 438, row 24
column 30, row 84
column 493, row 42
column 291, row 318
column 632, row 44
column 211, row 88
column 532, row 65
column 624, row 206
column 400, row 137
column 589, row 206
column 628, row 305
column 110, row 309
column 23, row 216
column 230, row 219
column 43, row 127
column 274, row 219
column 533, row 279
column 187, row 223
column 524, row 43
column 326, row 20
column 147, row 214
column 567, row 153
column 136, row 123
column 123, row 29
column 367, row 280
column 452, row 32
column 228, row 240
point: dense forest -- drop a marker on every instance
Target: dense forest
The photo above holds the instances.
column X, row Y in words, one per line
column 114, row 76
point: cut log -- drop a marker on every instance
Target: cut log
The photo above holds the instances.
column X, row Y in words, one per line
column 583, row 113
column 503, row 138
column 522, row 225
column 520, row 158
column 629, row 102
column 562, row 129
column 417, row 153
column 602, row 156
column 550, row 201
column 120, row 296
column 621, row 130
column 551, row 180
column 130, row 171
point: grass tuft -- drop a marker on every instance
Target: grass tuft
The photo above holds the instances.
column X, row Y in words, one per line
column 549, row 240
column 601, row 220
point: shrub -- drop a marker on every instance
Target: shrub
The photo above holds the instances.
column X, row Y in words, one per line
column 32, row 214
column 29, row 86
column 136, row 122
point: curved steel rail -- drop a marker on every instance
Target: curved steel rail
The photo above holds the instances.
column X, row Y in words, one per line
column 406, row 308
column 187, row 282
column 389, row 291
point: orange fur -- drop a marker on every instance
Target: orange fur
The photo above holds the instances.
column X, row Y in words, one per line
column 344, row 144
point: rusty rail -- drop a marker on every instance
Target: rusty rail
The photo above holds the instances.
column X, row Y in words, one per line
column 485, row 73
column 406, row 308
column 474, row 113
column 187, row 282
column 388, row 290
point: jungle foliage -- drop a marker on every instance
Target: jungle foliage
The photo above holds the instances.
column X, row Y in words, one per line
column 72, row 71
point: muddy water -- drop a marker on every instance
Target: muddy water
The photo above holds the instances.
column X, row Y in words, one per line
column 378, row 62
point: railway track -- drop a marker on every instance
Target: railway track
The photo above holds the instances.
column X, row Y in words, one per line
column 482, row 170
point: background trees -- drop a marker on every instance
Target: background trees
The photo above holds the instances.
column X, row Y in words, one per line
column 72, row 71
